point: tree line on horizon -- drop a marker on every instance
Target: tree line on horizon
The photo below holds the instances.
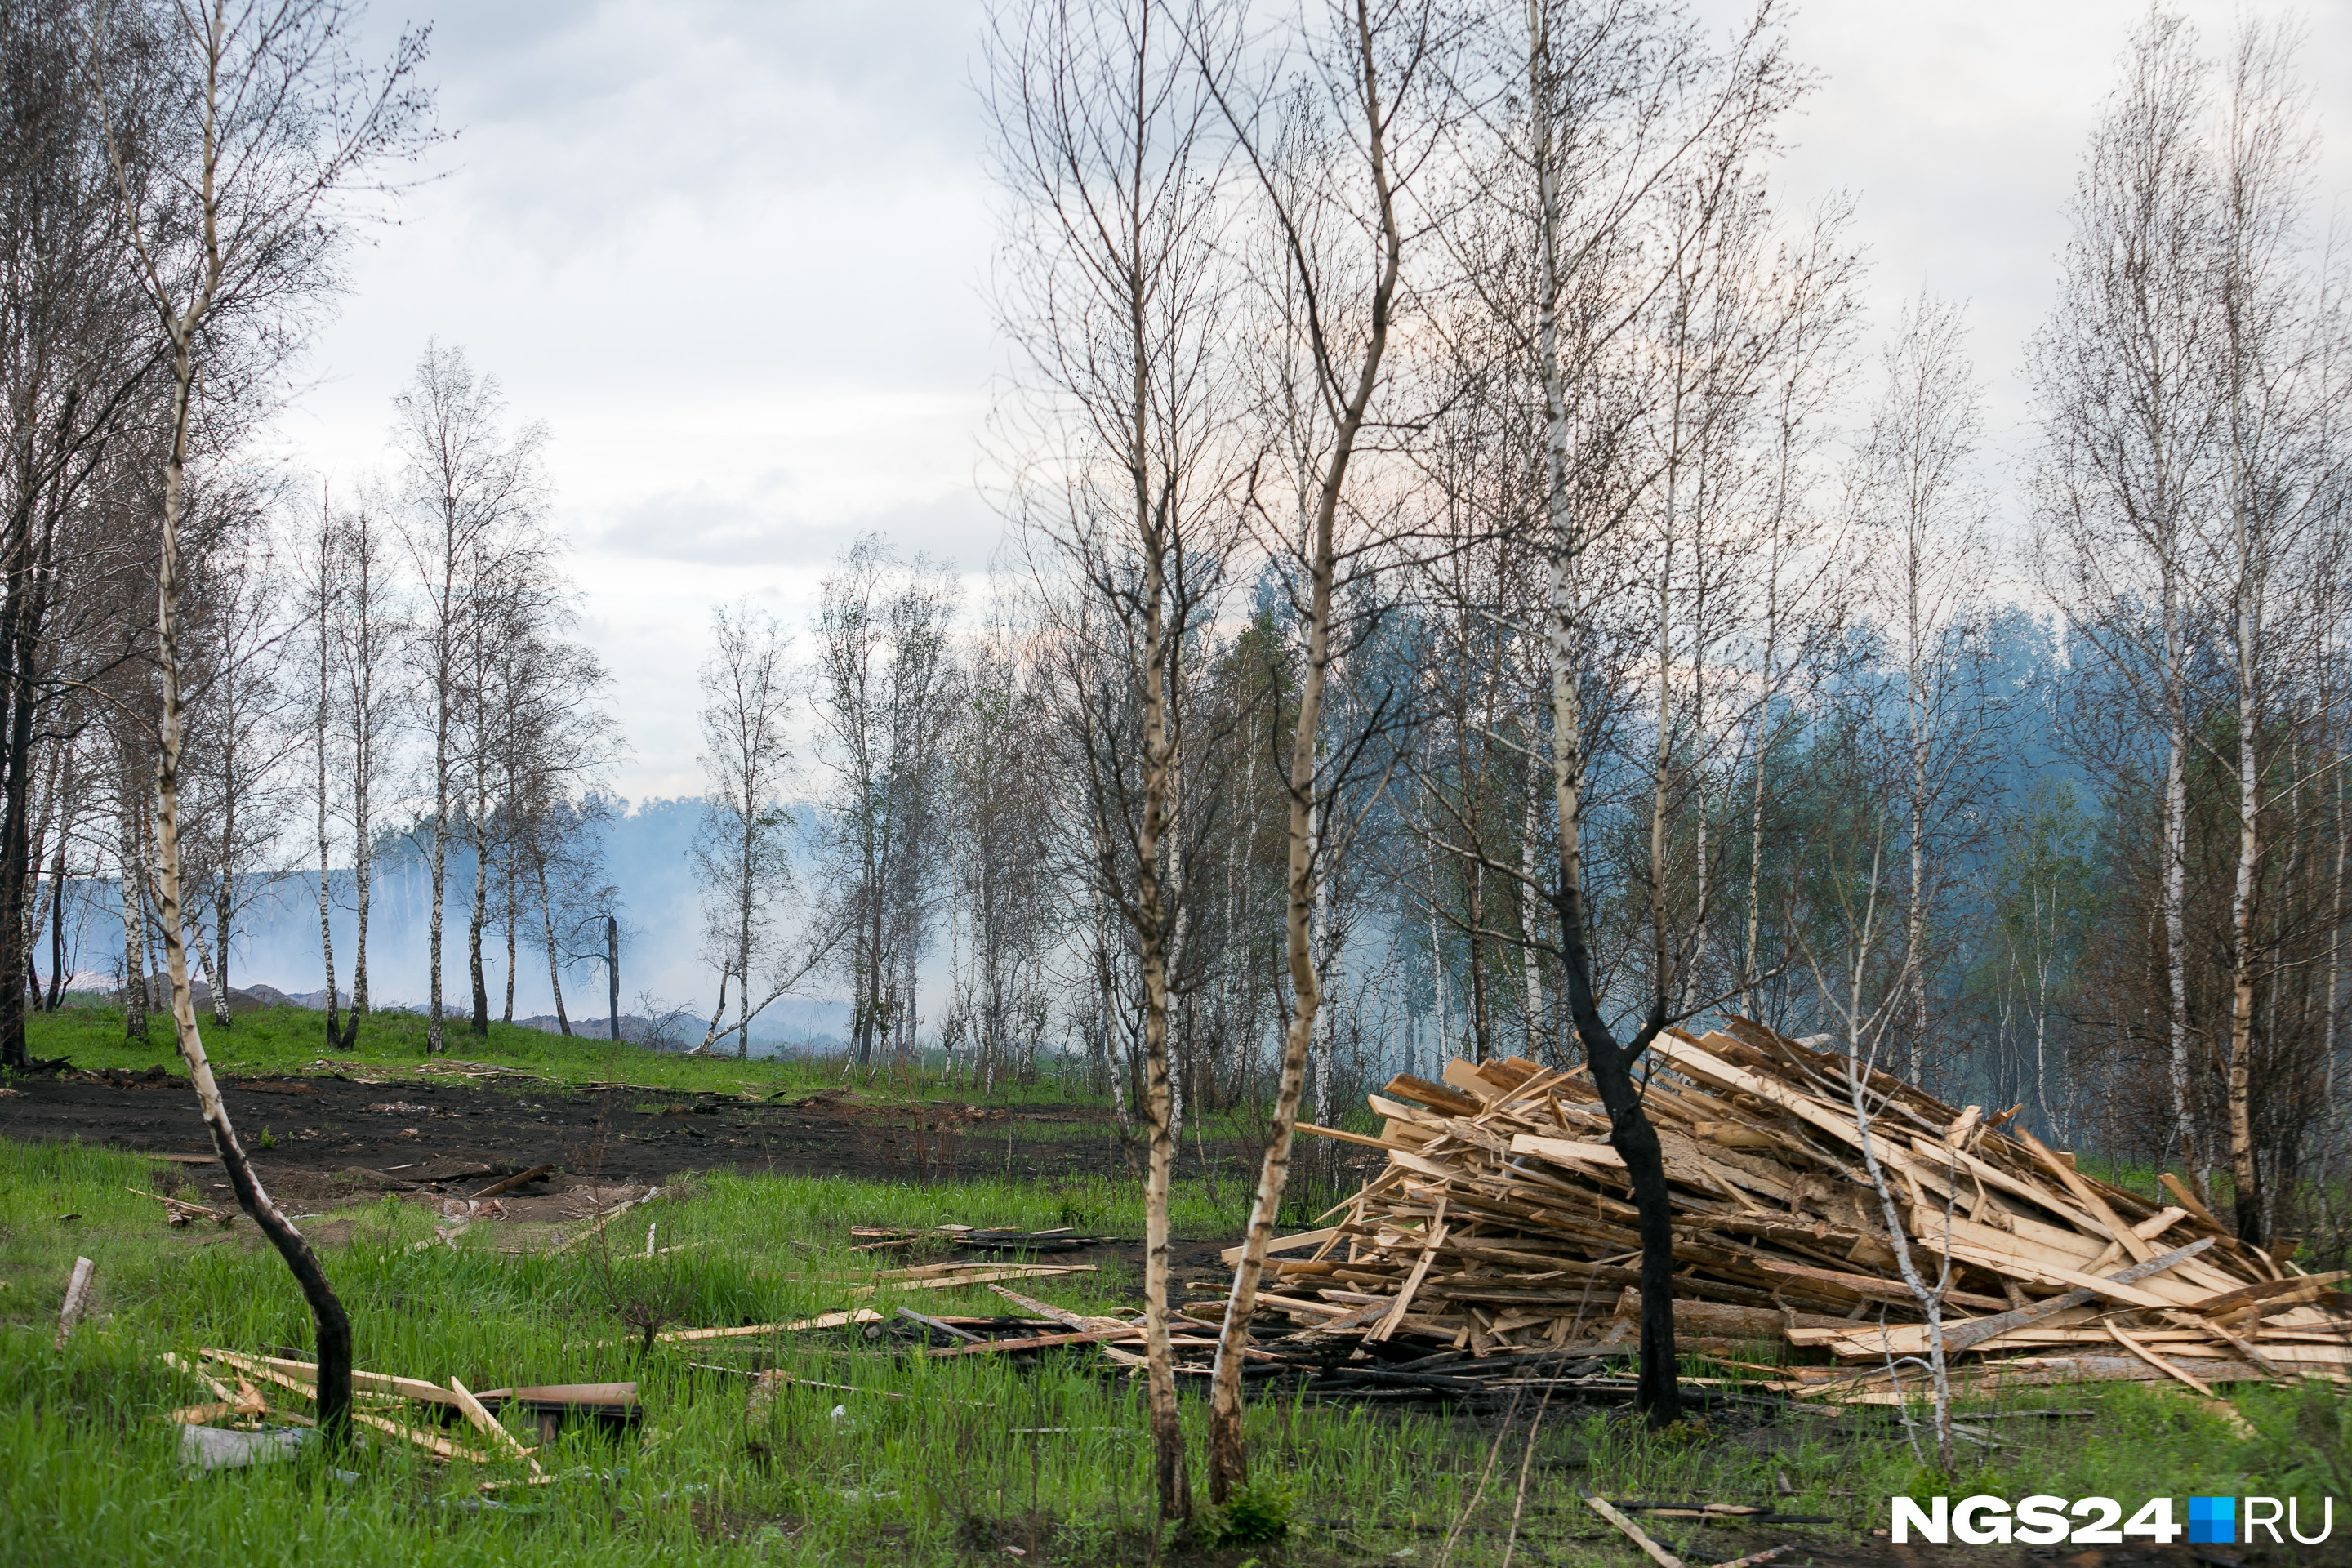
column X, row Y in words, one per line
column 1473, row 587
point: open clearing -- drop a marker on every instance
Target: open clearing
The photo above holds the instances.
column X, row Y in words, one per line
column 863, row 1450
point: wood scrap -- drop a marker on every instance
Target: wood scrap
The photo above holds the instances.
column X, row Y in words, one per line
column 182, row 1211
column 616, row 1212
column 1770, row 1554
column 491, row 1424
column 1633, row 1532
column 1030, row 1343
column 77, row 1299
column 984, row 1276
column 2156, row 1360
column 219, row 1390
column 439, row 1447
column 1502, row 1223
column 953, row 1331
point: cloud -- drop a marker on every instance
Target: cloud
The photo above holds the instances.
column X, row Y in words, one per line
column 733, row 252
column 697, row 524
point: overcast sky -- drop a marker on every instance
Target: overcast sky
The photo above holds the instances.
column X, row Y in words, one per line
column 733, row 253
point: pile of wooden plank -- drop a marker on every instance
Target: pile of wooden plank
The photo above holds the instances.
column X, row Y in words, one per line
column 1504, row 1223
column 377, row 1394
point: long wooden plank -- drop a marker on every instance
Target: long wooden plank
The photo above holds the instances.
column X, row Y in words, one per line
column 382, row 1382
column 2085, row 1194
column 1567, row 1149
column 824, row 1320
column 1395, row 1315
column 1633, row 1532
column 1984, row 1329
column 2189, row 1200
column 1337, row 1135
column 2268, row 1290
column 2005, row 1254
column 491, row 1424
column 1993, row 1175
column 2156, row 1360
column 1231, row 1255
column 439, row 1447
column 219, row 1390
column 986, row 1277
column 1033, row 1342
column 254, row 1368
column 1871, row 1285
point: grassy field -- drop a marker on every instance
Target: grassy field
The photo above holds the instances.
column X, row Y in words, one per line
column 292, row 1040
column 970, row 1457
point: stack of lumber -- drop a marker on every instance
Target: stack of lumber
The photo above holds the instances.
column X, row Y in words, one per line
column 1504, row 1223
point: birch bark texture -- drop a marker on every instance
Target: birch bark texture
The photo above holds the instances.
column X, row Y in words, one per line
column 223, row 240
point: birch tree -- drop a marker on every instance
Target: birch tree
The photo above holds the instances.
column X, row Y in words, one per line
column 1114, row 292
column 364, row 631
column 2281, row 476
column 1378, row 76
column 742, row 850
column 83, row 390
column 235, row 217
column 884, row 689
column 472, row 492
column 2127, row 430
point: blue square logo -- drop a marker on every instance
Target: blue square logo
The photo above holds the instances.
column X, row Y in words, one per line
column 2213, row 1520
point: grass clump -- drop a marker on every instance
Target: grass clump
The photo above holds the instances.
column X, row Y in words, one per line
column 1252, row 1516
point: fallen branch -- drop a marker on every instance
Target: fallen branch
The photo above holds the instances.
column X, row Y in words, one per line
column 520, row 1178
column 568, row 1243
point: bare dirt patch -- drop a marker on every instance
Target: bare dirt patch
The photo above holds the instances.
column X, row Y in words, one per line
column 413, row 1130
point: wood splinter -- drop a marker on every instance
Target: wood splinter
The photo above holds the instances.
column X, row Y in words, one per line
column 1632, row 1531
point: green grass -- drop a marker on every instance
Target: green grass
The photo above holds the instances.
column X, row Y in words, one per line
column 289, row 1040
column 951, row 1472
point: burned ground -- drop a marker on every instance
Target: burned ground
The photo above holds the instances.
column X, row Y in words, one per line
column 324, row 1140
column 330, row 1121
